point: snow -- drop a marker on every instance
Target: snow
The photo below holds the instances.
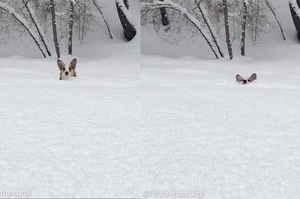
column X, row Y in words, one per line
column 209, row 133
column 76, row 137
column 72, row 138
column 164, row 123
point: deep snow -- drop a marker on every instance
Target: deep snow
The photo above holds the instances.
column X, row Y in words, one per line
column 71, row 138
column 78, row 137
column 206, row 133
column 127, row 125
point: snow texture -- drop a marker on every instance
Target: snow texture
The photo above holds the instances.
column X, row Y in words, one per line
column 72, row 138
column 127, row 125
column 207, row 132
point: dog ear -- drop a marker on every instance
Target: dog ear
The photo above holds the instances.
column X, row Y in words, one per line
column 73, row 63
column 60, row 64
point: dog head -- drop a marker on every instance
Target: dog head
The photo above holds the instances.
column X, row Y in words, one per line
column 67, row 70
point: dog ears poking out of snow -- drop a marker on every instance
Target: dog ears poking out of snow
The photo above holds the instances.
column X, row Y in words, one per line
column 243, row 80
column 67, row 70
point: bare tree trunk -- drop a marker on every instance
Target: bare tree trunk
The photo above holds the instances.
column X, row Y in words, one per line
column 244, row 22
column 37, row 26
column 83, row 21
column 273, row 12
column 106, row 23
column 164, row 16
column 52, row 7
column 210, row 28
column 22, row 21
column 256, row 20
column 71, row 20
column 227, row 29
column 128, row 27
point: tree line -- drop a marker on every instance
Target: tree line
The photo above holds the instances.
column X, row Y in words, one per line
column 235, row 19
column 75, row 18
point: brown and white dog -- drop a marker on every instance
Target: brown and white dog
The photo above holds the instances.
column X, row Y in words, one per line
column 67, row 70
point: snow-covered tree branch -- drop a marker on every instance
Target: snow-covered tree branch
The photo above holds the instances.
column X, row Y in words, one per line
column 24, row 23
column 171, row 4
column 102, row 15
column 210, row 27
column 276, row 18
column 37, row 26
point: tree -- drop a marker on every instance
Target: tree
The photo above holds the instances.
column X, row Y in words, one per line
column 209, row 26
column 101, row 13
column 227, row 31
column 37, row 26
column 24, row 23
column 123, row 11
column 244, row 22
column 183, row 11
column 276, row 18
column 164, row 16
column 70, row 39
column 52, row 8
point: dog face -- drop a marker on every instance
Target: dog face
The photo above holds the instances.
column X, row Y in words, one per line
column 67, row 70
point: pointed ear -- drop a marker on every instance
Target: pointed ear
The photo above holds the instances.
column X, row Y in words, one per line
column 73, row 63
column 239, row 78
column 60, row 64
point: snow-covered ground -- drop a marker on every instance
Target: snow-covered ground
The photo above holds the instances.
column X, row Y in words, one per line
column 76, row 137
column 206, row 133
column 151, row 126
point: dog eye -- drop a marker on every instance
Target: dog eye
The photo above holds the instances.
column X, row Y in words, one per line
column 70, row 69
column 64, row 69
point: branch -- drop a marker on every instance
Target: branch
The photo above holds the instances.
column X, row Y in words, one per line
column 170, row 4
column 106, row 23
column 37, row 26
column 22, row 21
column 273, row 12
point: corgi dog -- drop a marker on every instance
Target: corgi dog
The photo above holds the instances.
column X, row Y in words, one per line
column 67, row 70
column 243, row 80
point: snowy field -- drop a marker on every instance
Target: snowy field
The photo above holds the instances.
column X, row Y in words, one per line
column 144, row 126
column 207, row 133
column 71, row 138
